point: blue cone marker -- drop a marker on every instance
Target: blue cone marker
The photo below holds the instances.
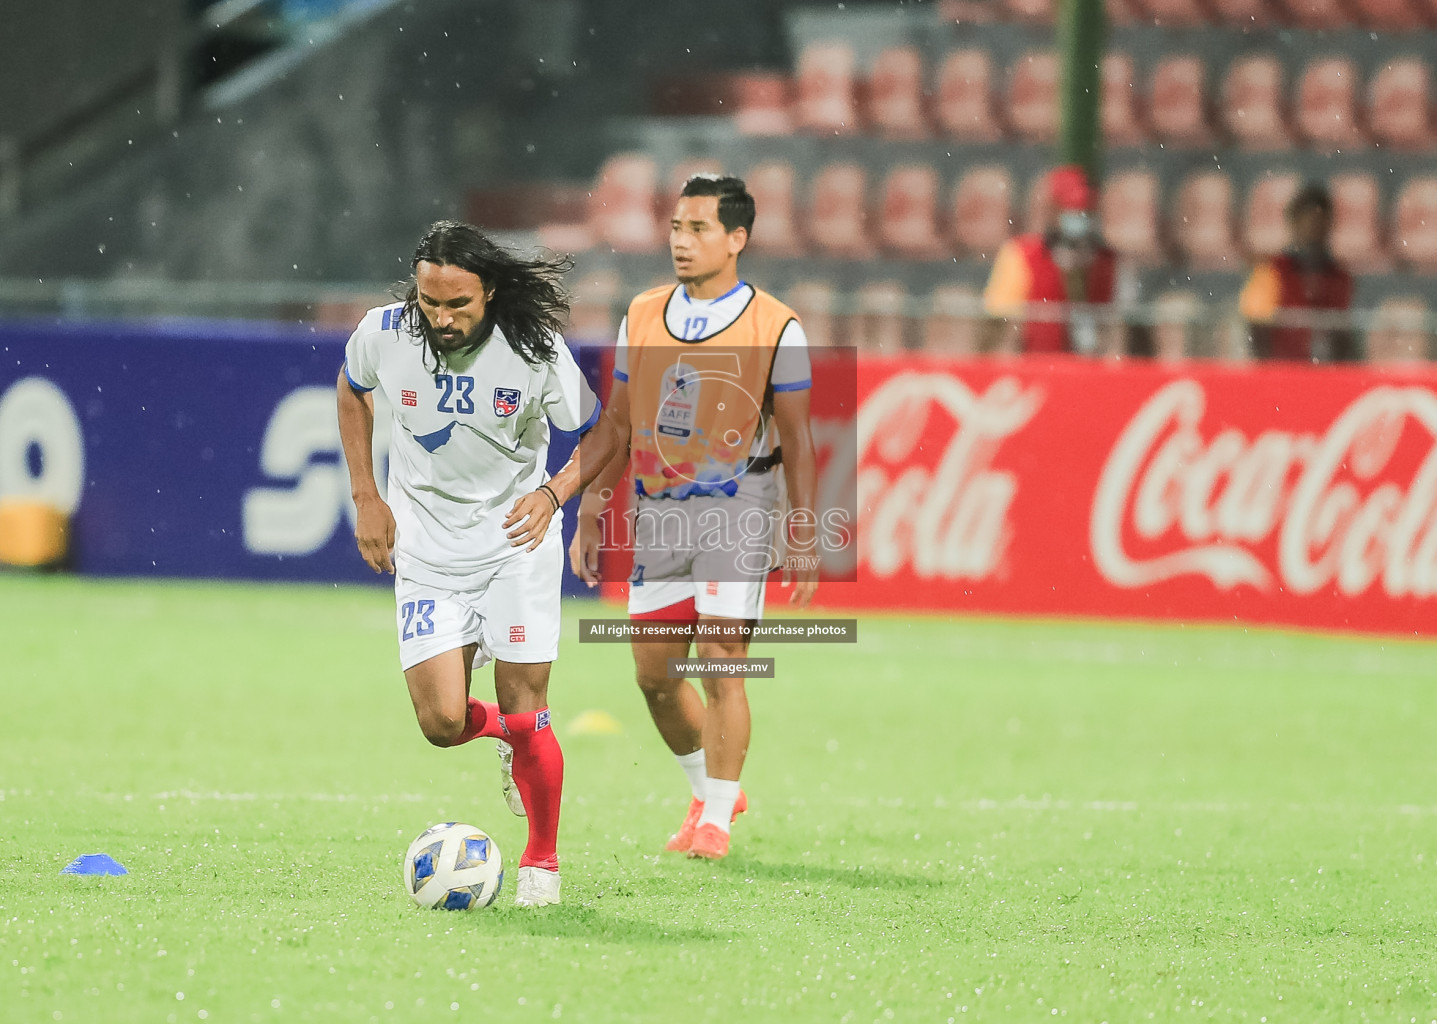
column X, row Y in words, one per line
column 94, row 864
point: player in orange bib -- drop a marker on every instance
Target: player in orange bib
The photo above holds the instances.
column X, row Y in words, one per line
column 709, row 375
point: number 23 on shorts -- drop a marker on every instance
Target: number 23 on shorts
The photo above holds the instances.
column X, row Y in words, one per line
column 418, row 618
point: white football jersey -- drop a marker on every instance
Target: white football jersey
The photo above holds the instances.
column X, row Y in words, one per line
column 466, row 441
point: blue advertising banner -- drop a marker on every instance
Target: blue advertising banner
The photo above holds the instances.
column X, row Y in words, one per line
column 193, row 449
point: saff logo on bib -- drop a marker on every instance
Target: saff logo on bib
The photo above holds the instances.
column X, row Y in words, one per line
column 506, row 401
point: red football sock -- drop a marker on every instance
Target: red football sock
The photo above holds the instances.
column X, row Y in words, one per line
column 539, row 774
column 482, row 719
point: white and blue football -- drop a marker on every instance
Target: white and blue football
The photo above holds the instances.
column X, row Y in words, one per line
column 453, row 867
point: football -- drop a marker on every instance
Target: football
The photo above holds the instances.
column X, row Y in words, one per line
column 453, row 867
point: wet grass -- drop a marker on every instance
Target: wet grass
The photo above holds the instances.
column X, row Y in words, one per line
column 966, row 819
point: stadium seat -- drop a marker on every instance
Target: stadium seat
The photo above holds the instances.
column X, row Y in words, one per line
column 775, row 224
column 814, row 303
column 1178, row 106
column 1036, row 12
column 1175, row 316
column 1390, row 15
column 1357, row 234
column 1033, row 96
column 908, row 214
column 1399, row 104
column 1202, row 224
column 1122, row 125
column 967, row 12
column 1414, row 224
column 1129, row 212
column 1120, row 12
column 621, row 206
column 827, row 94
column 762, row 103
column 1242, row 14
column 1316, row 14
column 895, row 94
column 1327, row 110
column 965, row 97
column 881, row 321
column 983, row 210
column 1173, row 13
column 838, row 214
column 680, row 173
column 1399, row 332
column 593, row 306
column 1253, row 110
column 1264, row 220
column 954, row 325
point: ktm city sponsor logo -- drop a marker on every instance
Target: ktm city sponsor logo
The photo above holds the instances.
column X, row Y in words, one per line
column 1353, row 506
column 930, row 500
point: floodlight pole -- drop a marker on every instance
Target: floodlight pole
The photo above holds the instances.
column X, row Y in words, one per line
column 1082, row 25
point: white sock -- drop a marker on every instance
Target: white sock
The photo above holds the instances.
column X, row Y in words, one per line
column 718, row 808
column 696, row 769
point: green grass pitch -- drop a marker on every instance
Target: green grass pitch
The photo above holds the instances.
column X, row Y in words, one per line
column 954, row 820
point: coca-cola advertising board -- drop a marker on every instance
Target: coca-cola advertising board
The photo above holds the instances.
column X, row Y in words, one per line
column 1207, row 492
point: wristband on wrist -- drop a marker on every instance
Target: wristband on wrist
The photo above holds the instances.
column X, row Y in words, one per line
column 552, row 496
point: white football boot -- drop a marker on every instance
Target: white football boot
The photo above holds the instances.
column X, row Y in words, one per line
column 506, row 779
column 537, row 888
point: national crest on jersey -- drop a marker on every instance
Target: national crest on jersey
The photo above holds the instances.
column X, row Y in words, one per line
column 696, row 406
column 506, row 401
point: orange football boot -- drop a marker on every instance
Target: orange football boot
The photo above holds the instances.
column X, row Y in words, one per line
column 709, row 843
column 681, row 840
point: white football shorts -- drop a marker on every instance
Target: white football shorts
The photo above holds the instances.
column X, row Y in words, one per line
column 679, row 553
column 510, row 610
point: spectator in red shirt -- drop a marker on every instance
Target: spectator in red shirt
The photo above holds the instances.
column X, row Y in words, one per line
column 1303, row 278
column 1065, row 262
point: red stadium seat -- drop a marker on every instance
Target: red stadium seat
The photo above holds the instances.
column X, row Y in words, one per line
column 621, row 207
column 1357, row 235
column 1174, row 13
column 1327, row 112
column 1202, row 224
column 1400, row 111
column 1033, row 96
column 1252, row 105
column 592, row 307
column 1264, row 221
column 838, row 216
column 1122, row 125
column 1390, row 15
column 814, row 302
column 1129, row 211
column 908, row 216
column 1414, row 224
column 983, row 210
column 827, row 93
column 895, row 94
column 680, row 173
column 954, row 325
column 1317, row 14
column 881, row 324
column 965, row 97
column 1178, row 108
column 967, row 12
column 1174, row 324
column 1243, row 13
column 775, row 224
column 1400, row 333
column 762, row 102
column 1037, row 12
column 1121, row 12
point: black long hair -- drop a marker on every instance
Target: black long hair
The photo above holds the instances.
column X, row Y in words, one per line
column 527, row 298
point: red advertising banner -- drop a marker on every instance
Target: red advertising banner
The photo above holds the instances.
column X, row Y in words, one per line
column 1295, row 495
column 1203, row 492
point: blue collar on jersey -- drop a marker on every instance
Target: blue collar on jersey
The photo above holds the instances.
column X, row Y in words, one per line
column 732, row 291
